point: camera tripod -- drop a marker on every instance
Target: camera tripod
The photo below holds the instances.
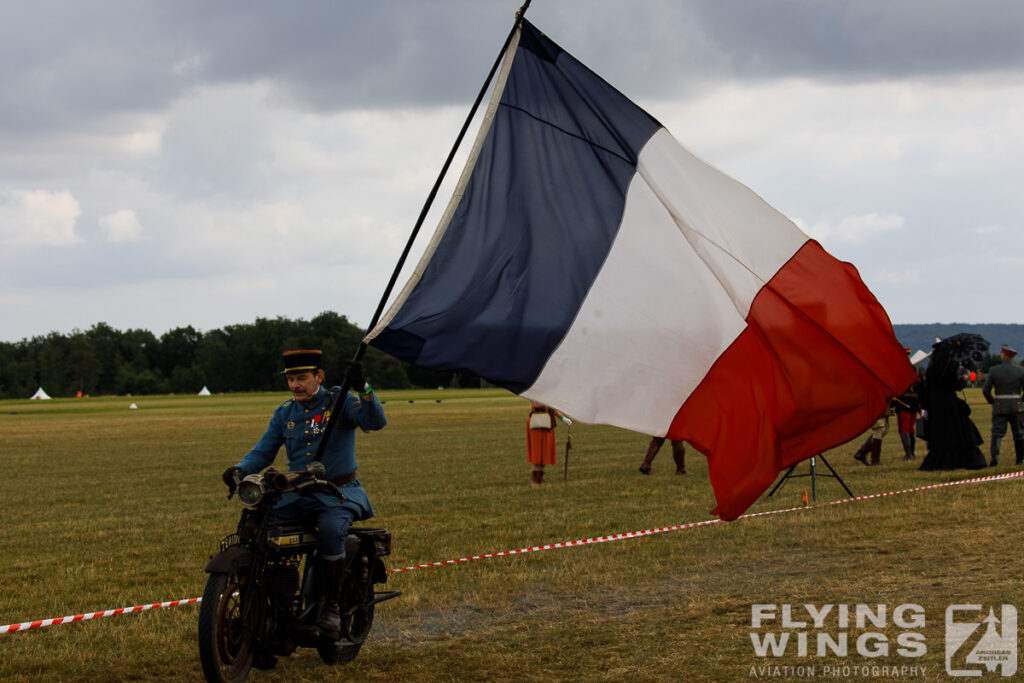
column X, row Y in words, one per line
column 813, row 475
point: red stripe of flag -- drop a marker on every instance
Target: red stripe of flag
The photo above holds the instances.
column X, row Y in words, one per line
column 817, row 362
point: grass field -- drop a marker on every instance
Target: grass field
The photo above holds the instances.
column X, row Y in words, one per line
column 107, row 507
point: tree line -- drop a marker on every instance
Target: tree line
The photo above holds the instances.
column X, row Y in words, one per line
column 247, row 357
column 244, row 357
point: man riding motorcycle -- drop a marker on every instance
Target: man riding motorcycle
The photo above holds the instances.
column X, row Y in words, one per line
column 298, row 424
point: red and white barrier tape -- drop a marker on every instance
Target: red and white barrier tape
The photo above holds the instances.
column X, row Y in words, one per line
column 29, row 625
column 707, row 522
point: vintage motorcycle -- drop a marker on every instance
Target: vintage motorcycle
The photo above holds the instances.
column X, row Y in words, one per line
column 264, row 595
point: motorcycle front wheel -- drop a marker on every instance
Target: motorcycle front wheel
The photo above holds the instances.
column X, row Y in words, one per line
column 225, row 643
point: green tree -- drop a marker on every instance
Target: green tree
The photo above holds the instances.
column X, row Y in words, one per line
column 139, row 382
column 217, row 363
column 106, row 347
column 242, row 357
column 177, row 349
column 187, row 380
column 17, row 371
column 82, row 363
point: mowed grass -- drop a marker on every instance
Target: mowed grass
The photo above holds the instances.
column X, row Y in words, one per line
column 106, row 507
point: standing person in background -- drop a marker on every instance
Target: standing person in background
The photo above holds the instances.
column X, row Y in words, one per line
column 953, row 438
column 873, row 444
column 908, row 406
column 1007, row 380
column 540, row 439
column 678, row 455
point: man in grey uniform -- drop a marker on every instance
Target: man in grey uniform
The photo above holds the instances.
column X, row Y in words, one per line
column 1007, row 381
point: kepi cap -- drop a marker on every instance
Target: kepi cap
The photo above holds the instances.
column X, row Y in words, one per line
column 302, row 360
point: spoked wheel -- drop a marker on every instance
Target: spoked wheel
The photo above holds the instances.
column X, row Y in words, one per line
column 356, row 619
column 357, row 607
column 225, row 643
column 338, row 652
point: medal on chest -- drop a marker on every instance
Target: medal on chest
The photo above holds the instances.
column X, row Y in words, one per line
column 319, row 422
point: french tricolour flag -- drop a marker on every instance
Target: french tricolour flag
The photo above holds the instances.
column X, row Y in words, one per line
column 590, row 262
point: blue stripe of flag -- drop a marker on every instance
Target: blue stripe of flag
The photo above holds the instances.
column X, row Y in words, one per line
column 539, row 215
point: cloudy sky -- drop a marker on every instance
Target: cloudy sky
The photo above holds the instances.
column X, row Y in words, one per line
column 203, row 163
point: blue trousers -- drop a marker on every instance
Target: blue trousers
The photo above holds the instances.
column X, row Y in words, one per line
column 331, row 521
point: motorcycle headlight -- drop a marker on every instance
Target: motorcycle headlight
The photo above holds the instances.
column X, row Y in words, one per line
column 250, row 489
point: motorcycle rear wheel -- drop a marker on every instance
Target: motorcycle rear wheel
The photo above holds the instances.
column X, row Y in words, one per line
column 225, row 643
column 358, row 606
column 356, row 620
column 338, row 652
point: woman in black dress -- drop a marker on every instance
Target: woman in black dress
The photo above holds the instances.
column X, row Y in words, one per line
column 953, row 439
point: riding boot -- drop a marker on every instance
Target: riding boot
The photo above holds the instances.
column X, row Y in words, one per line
column 540, row 476
column 862, row 452
column 679, row 455
column 913, row 443
column 652, row 450
column 908, row 446
column 876, row 451
column 994, row 450
column 1018, row 448
column 330, row 615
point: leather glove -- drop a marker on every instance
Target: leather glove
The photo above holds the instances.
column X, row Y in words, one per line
column 231, row 476
column 354, row 372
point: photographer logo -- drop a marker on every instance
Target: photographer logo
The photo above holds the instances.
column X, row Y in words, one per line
column 977, row 643
column 879, row 641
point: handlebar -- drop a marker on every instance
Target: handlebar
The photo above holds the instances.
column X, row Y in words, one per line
column 254, row 488
column 321, row 485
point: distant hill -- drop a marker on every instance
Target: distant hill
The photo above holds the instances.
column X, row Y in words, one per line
column 923, row 336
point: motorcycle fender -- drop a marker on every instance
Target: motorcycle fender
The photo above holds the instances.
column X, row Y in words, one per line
column 229, row 561
column 380, row 575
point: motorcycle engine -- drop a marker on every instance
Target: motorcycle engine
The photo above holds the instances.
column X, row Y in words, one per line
column 283, row 579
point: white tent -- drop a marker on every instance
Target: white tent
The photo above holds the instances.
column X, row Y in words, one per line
column 204, row 391
column 41, row 395
column 919, row 356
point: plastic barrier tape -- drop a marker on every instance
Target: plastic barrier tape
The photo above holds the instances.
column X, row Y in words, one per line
column 30, row 625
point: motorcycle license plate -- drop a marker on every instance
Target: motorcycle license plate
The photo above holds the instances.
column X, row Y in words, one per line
column 228, row 541
column 290, row 538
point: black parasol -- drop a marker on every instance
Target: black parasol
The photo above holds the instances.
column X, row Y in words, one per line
column 965, row 349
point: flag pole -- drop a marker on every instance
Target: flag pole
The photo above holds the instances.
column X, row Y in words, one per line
column 347, row 382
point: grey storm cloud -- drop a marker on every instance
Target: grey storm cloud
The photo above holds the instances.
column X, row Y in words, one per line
column 155, row 151
column 62, row 62
column 865, row 38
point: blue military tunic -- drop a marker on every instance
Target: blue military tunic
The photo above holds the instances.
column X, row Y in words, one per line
column 298, row 426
